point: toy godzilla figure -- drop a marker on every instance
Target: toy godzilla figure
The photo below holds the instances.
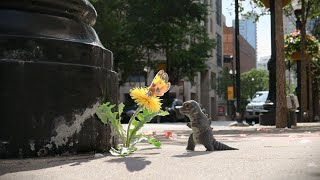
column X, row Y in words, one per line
column 201, row 130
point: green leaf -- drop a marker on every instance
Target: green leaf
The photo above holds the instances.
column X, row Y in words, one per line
column 104, row 112
column 163, row 113
column 151, row 140
column 114, row 152
column 154, row 142
column 143, row 117
column 101, row 112
column 122, row 151
column 120, row 109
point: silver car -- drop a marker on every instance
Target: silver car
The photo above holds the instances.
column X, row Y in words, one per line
column 255, row 106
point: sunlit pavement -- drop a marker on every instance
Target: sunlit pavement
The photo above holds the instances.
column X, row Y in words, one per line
column 265, row 152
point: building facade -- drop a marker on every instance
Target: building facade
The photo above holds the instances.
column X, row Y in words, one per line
column 262, row 63
column 247, row 52
column 248, row 30
column 204, row 88
column 291, row 76
column 289, row 24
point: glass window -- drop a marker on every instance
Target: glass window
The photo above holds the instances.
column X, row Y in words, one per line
column 218, row 12
column 260, row 97
column 213, row 80
column 219, row 50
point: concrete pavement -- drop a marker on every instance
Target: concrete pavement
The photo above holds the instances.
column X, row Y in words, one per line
column 264, row 153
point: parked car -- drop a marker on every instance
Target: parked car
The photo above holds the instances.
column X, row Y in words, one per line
column 171, row 105
column 255, row 106
column 167, row 105
column 128, row 111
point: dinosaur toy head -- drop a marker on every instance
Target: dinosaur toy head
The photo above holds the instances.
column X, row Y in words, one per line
column 189, row 107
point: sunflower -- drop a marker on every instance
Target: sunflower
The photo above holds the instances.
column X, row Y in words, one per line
column 140, row 96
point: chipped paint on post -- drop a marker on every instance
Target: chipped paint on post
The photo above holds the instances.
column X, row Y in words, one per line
column 64, row 132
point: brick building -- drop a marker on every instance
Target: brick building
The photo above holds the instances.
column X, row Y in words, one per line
column 247, row 52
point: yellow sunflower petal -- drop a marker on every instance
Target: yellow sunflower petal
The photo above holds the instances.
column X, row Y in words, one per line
column 140, row 96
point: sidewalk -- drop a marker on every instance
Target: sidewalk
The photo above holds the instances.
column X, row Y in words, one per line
column 264, row 153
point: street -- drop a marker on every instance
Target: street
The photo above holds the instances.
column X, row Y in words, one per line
column 264, row 153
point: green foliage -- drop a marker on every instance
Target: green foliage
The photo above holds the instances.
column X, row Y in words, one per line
column 106, row 115
column 137, row 123
column 188, row 61
column 253, row 81
column 315, row 67
column 173, row 29
column 112, row 26
column 292, row 43
column 224, row 81
column 316, row 28
column 290, row 88
column 136, row 31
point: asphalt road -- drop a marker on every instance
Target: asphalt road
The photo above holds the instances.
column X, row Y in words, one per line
column 264, row 153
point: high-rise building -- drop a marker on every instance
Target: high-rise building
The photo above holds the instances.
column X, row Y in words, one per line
column 262, row 63
column 291, row 77
column 289, row 24
column 248, row 30
column 247, row 52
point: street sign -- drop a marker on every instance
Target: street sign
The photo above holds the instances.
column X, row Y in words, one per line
column 230, row 94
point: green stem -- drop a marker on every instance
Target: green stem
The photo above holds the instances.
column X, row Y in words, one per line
column 127, row 144
column 123, row 138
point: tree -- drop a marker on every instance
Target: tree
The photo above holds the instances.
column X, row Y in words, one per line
column 278, row 43
column 172, row 30
column 316, row 28
column 224, row 81
column 309, row 10
column 253, row 81
column 112, row 27
column 277, row 91
column 142, row 32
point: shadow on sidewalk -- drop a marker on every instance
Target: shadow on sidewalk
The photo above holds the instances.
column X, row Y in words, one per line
column 193, row 153
column 132, row 163
column 18, row 165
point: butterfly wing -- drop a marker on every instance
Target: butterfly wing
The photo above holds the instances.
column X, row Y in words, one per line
column 164, row 89
column 160, row 84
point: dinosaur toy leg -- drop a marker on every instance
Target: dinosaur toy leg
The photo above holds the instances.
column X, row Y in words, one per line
column 191, row 143
column 206, row 140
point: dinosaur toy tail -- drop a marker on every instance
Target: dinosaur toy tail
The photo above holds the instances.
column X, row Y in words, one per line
column 218, row 146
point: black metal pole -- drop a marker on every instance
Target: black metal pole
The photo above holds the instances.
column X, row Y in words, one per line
column 237, row 59
column 233, row 78
column 233, row 75
column 316, row 98
column 298, row 89
column 273, row 52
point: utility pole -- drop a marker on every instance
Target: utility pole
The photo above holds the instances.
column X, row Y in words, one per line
column 238, row 110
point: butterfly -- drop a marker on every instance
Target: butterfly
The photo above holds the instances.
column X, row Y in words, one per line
column 159, row 85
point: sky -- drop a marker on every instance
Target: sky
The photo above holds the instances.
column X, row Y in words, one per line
column 263, row 27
